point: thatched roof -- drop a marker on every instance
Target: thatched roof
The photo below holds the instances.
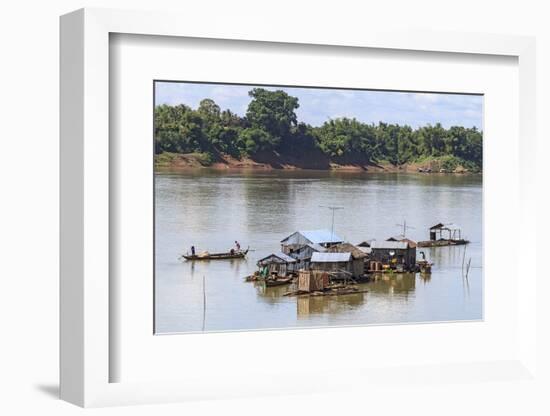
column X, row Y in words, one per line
column 356, row 253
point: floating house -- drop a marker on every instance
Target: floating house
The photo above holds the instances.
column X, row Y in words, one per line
column 323, row 238
column 358, row 256
column 337, row 264
column 302, row 244
column 394, row 254
column 412, row 243
column 311, row 281
column 278, row 263
column 445, row 232
column 303, row 254
column 444, row 235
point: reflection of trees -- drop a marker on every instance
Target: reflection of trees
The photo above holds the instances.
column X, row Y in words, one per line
column 309, row 305
column 259, row 192
column 398, row 283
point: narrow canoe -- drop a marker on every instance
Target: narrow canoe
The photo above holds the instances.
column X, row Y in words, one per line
column 217, row 256
column 278, row 282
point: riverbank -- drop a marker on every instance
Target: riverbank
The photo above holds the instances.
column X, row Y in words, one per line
column 273, row 161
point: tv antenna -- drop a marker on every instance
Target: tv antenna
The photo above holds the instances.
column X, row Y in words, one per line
column 405, row 227
column 333, row 209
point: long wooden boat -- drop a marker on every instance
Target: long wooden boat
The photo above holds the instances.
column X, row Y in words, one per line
column 217, row 256
column 442, row 243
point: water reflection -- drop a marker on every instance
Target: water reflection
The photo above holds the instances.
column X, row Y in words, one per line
column 272, row 294
column 393, row 283
column 211, row 209
column 311, row 305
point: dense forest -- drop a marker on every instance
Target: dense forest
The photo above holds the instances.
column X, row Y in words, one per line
column 270, row 126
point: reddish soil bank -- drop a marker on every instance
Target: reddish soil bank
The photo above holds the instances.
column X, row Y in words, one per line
column 272, row 160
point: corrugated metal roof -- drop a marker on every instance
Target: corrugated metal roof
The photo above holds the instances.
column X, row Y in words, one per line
column 321, row 236
column 330, row 257
column 317, row 247
column 281, row 256
column 285, row 257
column 391, row 245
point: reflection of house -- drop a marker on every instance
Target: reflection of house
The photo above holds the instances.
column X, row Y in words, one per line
column 396, row 254
column 339, row 263
column 402, row 283
column 278, row 263
column 357, row 254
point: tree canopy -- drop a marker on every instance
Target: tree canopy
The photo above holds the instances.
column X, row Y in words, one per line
column 271, row 125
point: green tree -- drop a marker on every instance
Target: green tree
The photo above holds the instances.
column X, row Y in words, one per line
column 273, row 112
column 178, row 129
column 253, row 140
column 346, row 137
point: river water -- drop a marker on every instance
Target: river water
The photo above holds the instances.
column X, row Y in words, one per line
column 211, row 209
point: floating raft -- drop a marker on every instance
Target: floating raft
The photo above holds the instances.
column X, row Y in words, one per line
column 331, row 291
column 442, row 243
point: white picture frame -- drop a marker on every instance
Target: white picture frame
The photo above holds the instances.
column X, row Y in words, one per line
column 85, row 183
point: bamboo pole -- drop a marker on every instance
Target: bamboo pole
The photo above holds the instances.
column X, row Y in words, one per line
column 203, row 302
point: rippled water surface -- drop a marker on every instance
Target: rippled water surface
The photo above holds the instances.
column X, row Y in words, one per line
column 211, row 209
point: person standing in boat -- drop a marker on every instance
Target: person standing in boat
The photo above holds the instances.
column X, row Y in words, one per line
column 192, row 250
column 238, row 246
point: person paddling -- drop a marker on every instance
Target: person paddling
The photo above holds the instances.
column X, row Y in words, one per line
column 237, row 245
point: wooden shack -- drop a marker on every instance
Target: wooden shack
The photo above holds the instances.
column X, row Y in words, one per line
column 339, row 265
column 303, row 253
column 278, row 263
column 323, row 238
column 397, row 255
column 357, row 254
column 441, row 231
column 312, row 280
column 444, row 235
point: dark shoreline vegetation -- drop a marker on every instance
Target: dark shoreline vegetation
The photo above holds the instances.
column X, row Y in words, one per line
column 270, row 135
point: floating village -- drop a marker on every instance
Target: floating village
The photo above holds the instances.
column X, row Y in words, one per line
column 320, row 263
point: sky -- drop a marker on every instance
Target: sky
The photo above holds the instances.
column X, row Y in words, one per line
column 319, row 105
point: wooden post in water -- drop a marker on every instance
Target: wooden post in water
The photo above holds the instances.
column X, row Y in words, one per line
column 203, row 302
column 463, row 258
